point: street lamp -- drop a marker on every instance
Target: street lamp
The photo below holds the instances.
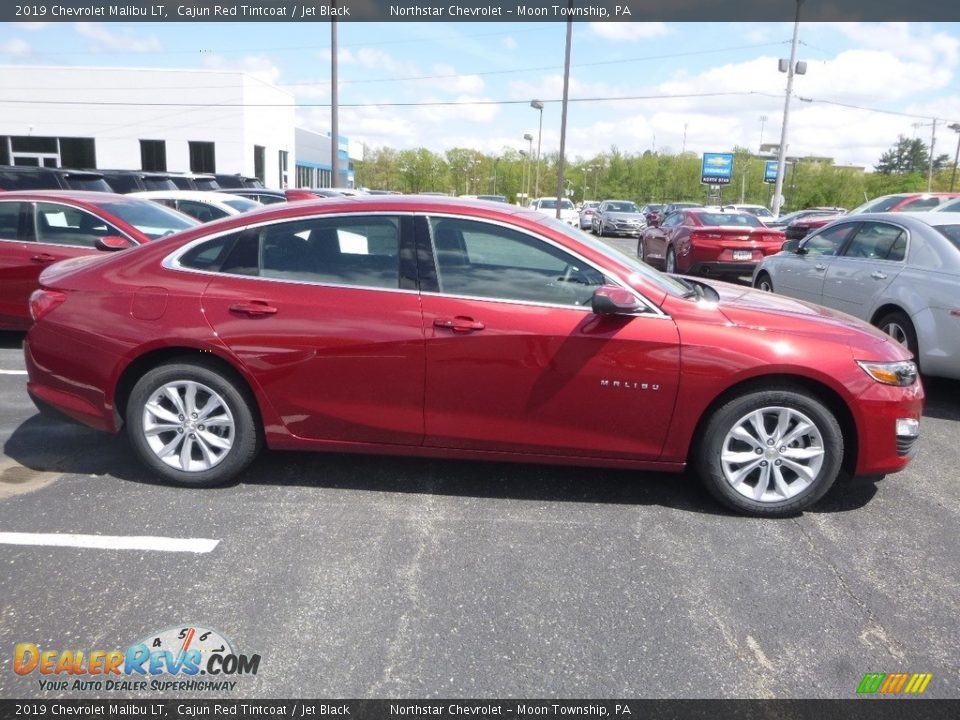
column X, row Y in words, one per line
column 538, row 105
column 792, row 68
column 953, row 176
column 526, row 186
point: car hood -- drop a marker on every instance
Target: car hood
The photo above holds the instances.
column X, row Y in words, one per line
column 747, row 307
column 626, row 216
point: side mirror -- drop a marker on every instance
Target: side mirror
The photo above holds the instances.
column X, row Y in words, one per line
column 609, row 300
column 113, row 242
column 792, row 246
column 653, row 222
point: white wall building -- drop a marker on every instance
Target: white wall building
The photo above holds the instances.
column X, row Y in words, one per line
column 121, row 118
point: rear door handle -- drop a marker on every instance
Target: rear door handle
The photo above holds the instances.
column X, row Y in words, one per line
column 42, row 258
column 254, row 308
column 459, row 324
column 878, row 275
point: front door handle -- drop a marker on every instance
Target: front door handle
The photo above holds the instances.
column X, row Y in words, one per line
column 878, row 275
column 818, row 266
column 254, row 308
column 459, row 324
column 42, row 258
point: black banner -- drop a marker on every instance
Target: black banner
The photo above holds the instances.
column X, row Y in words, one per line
column 855, row 709
column 489, row 11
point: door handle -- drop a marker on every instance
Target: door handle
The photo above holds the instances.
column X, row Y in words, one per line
column 459, row 324
column 878, row 275
column 818, row 266
column 254, row 308
column 42, row 258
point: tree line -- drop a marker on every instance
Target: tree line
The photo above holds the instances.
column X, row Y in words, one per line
column 648, row 177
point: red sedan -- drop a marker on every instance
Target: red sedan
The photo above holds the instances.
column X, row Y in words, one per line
column 418, row 325
column 705, row 241
column 43, row 226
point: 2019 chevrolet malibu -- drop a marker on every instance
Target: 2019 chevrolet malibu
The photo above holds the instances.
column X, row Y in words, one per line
column 430, row 326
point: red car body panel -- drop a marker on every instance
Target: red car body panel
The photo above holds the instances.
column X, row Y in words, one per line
column 372, row 371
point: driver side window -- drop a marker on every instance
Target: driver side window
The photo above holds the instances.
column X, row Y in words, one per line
column 828, row 242
column 478, row 259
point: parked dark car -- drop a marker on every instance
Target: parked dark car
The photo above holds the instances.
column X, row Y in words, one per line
column 194, row 181
column 26, row 177
column 418, row 325
column 128, row 181
column 227, row 182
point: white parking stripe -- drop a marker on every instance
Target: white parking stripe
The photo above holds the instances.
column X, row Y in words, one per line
column 110, row 542
column 13, row 372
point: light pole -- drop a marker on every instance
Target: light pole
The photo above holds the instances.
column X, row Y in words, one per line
column 791, row 69
column 526, row 187
column 537, row 105
column 956, row 157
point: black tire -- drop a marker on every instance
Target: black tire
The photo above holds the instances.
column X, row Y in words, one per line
column 898, row 326
column 764, row 282
column 600, row 231
column 670, row 262
column 640, row 248
column 801, row 491
column 245, row 434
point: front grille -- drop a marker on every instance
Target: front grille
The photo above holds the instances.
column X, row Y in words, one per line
column 905, row 444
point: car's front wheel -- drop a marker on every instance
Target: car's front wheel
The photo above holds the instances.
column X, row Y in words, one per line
column 770, row 453
column 670, row 265
column 898, row 326
column 764, row 282
column 192, row 424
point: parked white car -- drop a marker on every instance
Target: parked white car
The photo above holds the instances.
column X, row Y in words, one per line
column 202, row 205
column 548, row 206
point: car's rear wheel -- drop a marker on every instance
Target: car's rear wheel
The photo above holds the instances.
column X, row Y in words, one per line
column 898, row 326
column 670, row 264
column 764, row 282
column 192, row 424
column 770, row 453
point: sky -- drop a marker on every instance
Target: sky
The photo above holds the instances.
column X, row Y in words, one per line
column 699, row 87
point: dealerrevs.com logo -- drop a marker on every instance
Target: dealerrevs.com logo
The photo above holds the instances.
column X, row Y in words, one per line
column 894, row 683
column 170, row 660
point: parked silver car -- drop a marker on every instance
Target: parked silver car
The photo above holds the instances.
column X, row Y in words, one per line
column 618, row 217
column 898, row 271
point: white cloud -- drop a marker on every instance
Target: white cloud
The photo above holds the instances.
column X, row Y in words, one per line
column 629, row 30
column 15, row 47
column 120, row 39
column 509, row 43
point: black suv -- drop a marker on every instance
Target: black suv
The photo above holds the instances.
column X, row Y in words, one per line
column 25, row 177
column 127, row 181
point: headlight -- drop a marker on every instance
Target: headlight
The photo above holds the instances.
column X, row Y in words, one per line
column 891, row 373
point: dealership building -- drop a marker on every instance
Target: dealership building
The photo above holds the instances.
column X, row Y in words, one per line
column 163, row 120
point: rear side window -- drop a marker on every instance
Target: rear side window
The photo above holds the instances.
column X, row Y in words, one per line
column 9, row 220
column 65, row 225
column 920, row 204
column 355, row 251
column 878, row 241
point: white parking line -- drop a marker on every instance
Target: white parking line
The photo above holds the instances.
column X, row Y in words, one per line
column 110, row 542
column 13, row 372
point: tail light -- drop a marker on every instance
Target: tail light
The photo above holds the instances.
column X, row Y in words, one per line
column 43, row 301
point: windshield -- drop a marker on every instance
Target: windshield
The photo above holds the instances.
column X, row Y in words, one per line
column 242, row 204
column 951, row 232
column 634, row 264
column 159, row 183
column 551, row 204
column 87, row 182
column 148, row 217
column 726, row 219
column 623, row 207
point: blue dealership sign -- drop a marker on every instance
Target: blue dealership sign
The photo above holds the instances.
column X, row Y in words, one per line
column 717, row 168
column 770, row 171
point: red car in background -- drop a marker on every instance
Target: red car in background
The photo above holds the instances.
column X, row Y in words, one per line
column 906, row 202
column 418, row 325
column 708, row 241
column 40, row 227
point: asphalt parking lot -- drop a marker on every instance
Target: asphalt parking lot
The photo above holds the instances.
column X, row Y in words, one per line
column 359, row 577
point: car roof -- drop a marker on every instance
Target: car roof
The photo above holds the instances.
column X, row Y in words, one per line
column 84, row 196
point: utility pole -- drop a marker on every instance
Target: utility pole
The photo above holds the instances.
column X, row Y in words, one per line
column 334, row 110
column 563, row 110
column 933, row 142
column 791, row 69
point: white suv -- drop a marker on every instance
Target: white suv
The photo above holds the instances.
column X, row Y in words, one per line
column 548, row 206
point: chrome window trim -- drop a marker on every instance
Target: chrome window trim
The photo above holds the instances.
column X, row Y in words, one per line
column 656, row 311
column 172, row 261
